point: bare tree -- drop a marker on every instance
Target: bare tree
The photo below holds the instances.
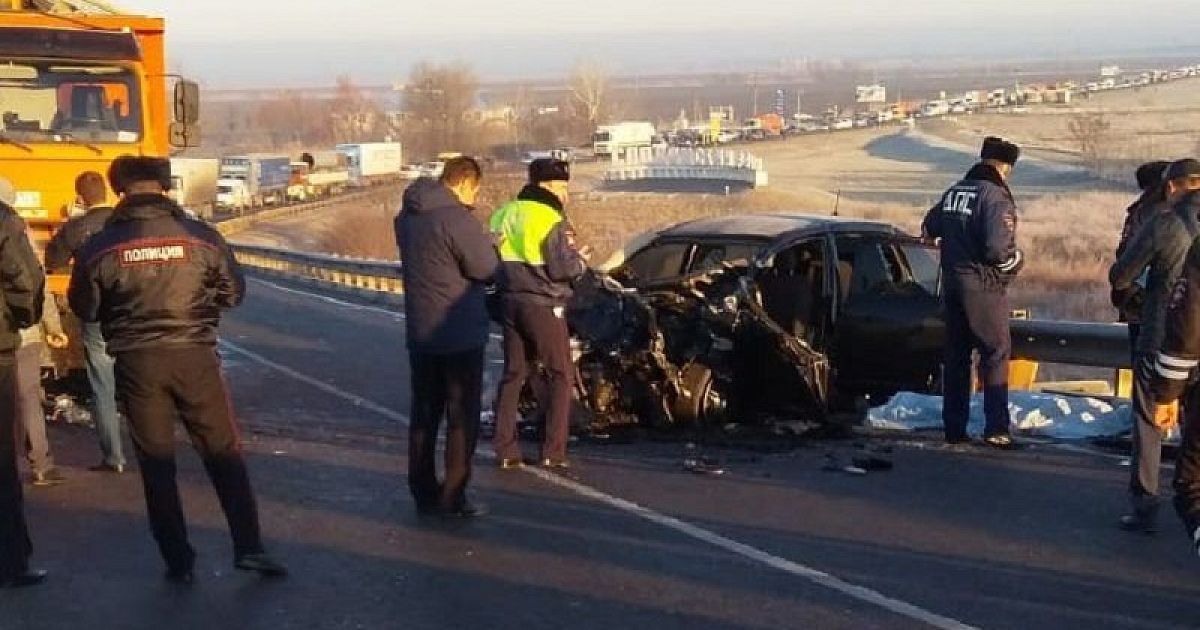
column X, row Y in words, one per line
column 589, row 92
column 353, row 117
column 1090, row 132
column 291, row 118
column 439, row 100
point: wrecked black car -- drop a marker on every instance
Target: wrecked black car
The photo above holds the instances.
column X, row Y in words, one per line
column 757, row 317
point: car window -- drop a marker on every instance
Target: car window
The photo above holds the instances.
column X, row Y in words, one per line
column 709, row 256
column 867, row 266
column 923, row 265
column 658, row 261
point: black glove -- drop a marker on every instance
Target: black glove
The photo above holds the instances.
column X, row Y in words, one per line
column 1011, row 267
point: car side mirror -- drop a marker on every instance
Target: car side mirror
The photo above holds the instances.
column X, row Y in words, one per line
column 187, row 102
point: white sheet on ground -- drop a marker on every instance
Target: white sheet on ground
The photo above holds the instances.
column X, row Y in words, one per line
column 1043, row 415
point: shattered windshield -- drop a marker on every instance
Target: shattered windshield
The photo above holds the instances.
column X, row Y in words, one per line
column 57, row 101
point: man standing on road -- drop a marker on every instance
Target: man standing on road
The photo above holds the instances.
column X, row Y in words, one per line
column 976, row 222
column 60, row 251
column 22, row 285
column 156, row 281
column 1157, row 251
column 540, row 260
column 447, row 257
column 1152, row 201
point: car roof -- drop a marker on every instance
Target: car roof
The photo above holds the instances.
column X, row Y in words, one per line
column 772, row 226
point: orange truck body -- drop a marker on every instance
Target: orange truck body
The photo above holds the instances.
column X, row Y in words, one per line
column 43, row 168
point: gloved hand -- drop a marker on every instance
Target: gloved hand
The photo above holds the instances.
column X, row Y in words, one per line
column 1128, row 301
column 1013, row 266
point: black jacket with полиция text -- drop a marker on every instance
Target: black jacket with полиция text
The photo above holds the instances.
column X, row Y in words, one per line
column 155, row 278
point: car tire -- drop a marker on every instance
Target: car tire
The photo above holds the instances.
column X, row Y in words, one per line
column 705, row 399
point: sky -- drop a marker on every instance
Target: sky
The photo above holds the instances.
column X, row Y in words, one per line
column 276, row 43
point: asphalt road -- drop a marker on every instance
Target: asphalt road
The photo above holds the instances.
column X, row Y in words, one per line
column 627, row 539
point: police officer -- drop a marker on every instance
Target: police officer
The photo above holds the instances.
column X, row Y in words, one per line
column 1149, row 203
column 1156, row 252
column 22, row 284
column 1176, row 363
column 976, row 222
column 156, row 281
column 539, row 260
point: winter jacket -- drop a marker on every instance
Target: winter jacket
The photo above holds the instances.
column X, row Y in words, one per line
column 976, row 220
column 50, row 323
column 22, row 282
column 1176, row 361
column 447, row 258
column 537, row 248
column 1160, row 246
column 154, row 278
column 1129, row 302
column 72, row 235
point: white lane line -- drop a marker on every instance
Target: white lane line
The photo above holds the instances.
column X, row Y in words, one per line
column 820, row 578
column 330, row 300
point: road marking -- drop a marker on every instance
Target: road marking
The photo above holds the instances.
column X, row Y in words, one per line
column 815, row 576
column 330, row 300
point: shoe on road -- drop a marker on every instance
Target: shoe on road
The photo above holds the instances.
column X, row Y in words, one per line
column 103, row 467
column 47, row 478
column 560, row 464
column 511, row 463
column 32, row 577
column 467, row 510
column 262, row 564
column 1135, row 522
column 1002, row 442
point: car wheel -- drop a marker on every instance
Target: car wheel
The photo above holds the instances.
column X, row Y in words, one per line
column 705, row 398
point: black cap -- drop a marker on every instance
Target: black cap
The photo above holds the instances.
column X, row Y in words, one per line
column 548, row 170
column 1151, row 174
column 1000, row 150
column 128, row 169
column 1181, row 169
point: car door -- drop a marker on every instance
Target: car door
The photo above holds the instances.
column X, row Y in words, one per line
column 888, row 330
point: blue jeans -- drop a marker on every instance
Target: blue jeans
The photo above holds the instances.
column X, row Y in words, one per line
column 104, row 392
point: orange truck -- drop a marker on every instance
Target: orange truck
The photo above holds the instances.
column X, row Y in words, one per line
column 80, row 84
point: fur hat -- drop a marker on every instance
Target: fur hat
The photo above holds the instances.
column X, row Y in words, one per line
column 128, row 169
column 1000, row 150
column 549, row 169
column 1151, row 174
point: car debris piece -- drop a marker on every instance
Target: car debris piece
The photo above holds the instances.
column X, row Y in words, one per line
column 872, row 463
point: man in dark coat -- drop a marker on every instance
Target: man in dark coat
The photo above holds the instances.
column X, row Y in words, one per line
column 1151, row 201
column 447, row 259
column 976, row 222
column 21, row 289
column 60, row 251
column 157, row 281
column 1156, row 252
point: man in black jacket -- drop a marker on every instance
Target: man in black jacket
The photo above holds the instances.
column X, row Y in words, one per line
column 1156, row 252
column 156, row 281
column 21, row 286
column 447, row 258
column 976, row 222
column 539, row 261
column 60, row 251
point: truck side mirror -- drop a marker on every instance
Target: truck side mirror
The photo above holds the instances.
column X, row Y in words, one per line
column 183, row 136
column 187, row 102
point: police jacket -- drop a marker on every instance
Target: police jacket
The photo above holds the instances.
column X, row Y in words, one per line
column 1158, row 250
column 22, row 282
column 155, row 278
column 72, row 235
column 1180, row 351
column 538, row 256
column 447, row 256
column 976, row 220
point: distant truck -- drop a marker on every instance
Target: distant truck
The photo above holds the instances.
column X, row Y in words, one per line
column 764, row 126
column 252, row 181
column 318, row 175
column 610, row 140
column 194, row 184
column 372, row 163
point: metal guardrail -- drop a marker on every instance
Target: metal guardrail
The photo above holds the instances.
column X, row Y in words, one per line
column 1073, row 343
column 232, row 226
column 370, row 276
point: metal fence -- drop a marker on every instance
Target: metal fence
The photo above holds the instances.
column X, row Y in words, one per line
column 232, row 226
column 375, row 278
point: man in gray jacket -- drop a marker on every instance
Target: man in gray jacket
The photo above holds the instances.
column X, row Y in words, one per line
column 1156, row 252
